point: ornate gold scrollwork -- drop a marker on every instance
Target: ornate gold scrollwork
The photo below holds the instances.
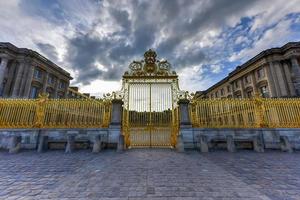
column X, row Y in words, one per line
column 150, row 66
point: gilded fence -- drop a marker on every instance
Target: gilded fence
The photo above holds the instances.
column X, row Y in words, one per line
column 246, row 113
column 54, row 113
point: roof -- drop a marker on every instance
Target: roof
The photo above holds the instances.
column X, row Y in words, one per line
column 29, row 52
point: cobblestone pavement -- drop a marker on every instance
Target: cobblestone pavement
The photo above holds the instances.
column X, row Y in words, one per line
column 150, row 174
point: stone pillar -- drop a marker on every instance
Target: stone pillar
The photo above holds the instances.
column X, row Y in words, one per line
column 243, row 92
column 253, row 78
column 26, row 63
column 3, row 66
column 272, row 80
column 296, row 75
column 14, row 144
column 114, row 131
column 45, row 82
column 271, row 83
column 230, row 144
column 281, row 79
column 56, row 88
column 186, row 130
column 288, row 77
column 116, row 114
column 9, row 84
column 66, row 89
column 184, row 112
column 28, row 81
column 70, row 147
column 43, row 142
column 17, row 84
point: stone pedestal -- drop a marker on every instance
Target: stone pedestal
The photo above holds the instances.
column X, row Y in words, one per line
column 285, row 144
column 70, row 147
column 121, row 143
column 42, row 143
column 187, row 136
column 258, row 143
column 14, row 144
column 96, row 143
column 179, row 145
column 230, row 144
column 203, row 143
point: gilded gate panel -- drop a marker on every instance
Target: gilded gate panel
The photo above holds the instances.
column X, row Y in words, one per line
column 150, row 113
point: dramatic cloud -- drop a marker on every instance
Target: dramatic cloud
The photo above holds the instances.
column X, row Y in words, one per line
column 96, row 40
column 48, row 50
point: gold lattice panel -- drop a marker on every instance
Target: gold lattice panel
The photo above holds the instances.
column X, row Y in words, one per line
column 149, row 115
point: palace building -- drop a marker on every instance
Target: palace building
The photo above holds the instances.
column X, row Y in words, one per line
column 73, row 93
column 25, row 73
column 274, row 72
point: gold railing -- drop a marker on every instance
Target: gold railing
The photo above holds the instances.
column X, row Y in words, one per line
column 54, row 113
column 246, row 113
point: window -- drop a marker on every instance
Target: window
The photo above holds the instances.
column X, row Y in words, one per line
column 247, row 79
column 51, row 80
column 260, row 73
column 222, row 91
column 238, row 95
column 34, row 92
column 37, row 74
column 60, row 96
column 212, row 96
column 62, row 85
column 264, row 91
column 50, row 92
column 249, row 93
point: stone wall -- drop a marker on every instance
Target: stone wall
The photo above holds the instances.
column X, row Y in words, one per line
column 271, row 138
column 30, row 137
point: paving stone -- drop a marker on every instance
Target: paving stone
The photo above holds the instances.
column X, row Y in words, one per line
column 150, row 174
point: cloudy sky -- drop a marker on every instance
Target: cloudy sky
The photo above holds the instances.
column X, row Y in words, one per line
column 95, row 40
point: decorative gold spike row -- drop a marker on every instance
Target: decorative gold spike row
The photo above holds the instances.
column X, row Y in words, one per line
column 246, row 113
column 54, row 113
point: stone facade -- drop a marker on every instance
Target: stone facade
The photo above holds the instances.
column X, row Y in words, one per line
column 272, row 73
column 73, row 93
column 25, row 73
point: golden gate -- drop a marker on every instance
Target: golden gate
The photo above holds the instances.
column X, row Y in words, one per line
column 150, row 114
